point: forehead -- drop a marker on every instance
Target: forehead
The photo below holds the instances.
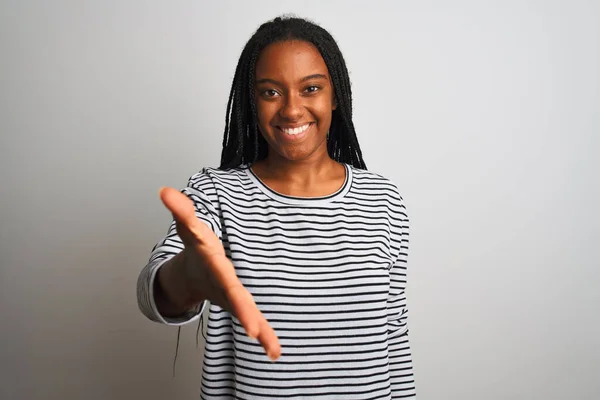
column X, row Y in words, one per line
column 290, row 60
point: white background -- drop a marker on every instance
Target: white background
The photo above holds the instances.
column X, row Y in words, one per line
column 486, row 115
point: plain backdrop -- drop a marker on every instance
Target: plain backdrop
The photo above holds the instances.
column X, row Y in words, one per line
column 486, row 115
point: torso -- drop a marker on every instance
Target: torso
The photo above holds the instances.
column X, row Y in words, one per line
column 328, row 273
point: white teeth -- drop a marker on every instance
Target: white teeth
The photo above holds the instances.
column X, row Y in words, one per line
column 295, row 131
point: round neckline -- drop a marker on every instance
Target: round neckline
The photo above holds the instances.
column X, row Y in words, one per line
column 298, row 200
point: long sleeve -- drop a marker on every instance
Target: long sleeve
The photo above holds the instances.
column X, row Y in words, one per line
column 199, row 185
column 401, row 370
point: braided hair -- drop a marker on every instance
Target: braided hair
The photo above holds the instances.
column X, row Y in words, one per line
column 242, row 141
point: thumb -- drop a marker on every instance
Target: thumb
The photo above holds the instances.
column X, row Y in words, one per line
column 180, row 206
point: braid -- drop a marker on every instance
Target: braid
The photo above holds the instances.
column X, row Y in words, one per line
column 242, row 141
column 254, row 113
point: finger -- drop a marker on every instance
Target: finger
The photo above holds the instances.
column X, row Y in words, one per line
column 269, row 340
column 244, row 308
column 254, row 323
column 182, row 208
column 224, row 274
column 179, row 204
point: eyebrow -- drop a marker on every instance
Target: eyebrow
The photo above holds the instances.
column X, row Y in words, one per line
column 306, row 78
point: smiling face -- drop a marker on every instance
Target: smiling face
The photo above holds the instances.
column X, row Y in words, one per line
column 294, row 99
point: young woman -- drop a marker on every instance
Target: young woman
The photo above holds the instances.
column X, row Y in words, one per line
column 297, row 247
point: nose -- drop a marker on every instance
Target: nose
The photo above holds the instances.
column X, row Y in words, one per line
column 292, row 108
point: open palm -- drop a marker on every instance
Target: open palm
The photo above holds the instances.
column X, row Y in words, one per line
column 210, row 274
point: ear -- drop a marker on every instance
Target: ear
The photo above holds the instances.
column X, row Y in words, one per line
column 334, row 104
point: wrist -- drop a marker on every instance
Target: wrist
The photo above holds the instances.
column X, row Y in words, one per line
column 172, row 283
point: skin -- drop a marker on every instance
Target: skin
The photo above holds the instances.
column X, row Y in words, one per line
column 293, row 87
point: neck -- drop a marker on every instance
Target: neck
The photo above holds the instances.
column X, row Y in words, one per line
column 299, row 173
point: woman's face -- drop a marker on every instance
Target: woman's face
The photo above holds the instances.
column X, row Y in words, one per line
column 294, row 99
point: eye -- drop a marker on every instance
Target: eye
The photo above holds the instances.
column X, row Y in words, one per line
column 312, row 89
column 270, row 93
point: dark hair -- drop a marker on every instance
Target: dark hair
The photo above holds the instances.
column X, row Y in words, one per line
column 242, row 141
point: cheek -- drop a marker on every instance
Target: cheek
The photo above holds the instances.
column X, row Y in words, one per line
column 325, row 105
column 264, row 112
column 324, row 111
column 264, row 116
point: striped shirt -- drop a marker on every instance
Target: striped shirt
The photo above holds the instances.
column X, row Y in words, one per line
column 328, row 273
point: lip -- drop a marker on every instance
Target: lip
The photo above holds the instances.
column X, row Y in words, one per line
column 294, row 138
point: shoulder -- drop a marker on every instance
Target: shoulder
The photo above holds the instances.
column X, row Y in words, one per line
column 383, row 189
column 369, row 181
column 209, row 176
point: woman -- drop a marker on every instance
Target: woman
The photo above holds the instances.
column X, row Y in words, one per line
column 295, row 245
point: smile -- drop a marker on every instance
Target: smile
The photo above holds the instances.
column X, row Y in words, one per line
column 295, row 131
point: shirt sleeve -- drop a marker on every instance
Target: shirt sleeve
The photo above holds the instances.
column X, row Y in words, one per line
column 198, row 189
column 401, row 370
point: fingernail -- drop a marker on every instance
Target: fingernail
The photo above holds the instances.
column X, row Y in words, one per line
column 272, row 356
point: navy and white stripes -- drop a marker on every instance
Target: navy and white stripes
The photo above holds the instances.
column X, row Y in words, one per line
column 328, row 273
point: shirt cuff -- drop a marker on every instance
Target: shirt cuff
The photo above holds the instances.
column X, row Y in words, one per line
column 186, row 318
